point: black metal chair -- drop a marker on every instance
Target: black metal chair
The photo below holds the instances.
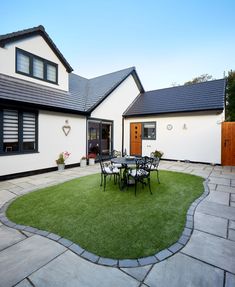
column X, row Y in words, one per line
column 115, row 154
column 141, row 173
column 108, row 170
column 155, row 165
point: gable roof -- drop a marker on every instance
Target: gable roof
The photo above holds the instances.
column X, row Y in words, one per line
column 189, row 98
column 83, row 95
column 93, row 91
column 39, row 30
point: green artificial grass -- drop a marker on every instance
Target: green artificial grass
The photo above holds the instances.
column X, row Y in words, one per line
column 114, row 223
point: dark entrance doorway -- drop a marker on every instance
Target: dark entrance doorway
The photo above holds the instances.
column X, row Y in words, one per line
column 100, row 137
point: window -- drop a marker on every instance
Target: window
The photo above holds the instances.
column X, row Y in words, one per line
column 149, row 131
column 19, row 131
column 36, row 67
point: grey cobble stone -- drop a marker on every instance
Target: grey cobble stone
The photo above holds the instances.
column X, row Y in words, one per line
column 31, row 229
column 90, row 256
column 128, row 263
column 183, row 239
column 163, row 254
column 175, row 247
column 53, row 236
column 42, row 232
column 65, row 242
column 187, row 231
column 108, row 261
column 147, row 260
column 189, row 224
column 77, row 249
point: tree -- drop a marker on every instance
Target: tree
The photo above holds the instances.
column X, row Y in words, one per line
column 230, row 97
column 200, row 79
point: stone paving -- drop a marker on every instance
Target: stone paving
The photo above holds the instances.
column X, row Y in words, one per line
column 207, row 259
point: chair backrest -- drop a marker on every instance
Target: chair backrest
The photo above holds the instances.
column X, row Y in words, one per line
column 156, row 161
column 143, row 166
column 116, row 153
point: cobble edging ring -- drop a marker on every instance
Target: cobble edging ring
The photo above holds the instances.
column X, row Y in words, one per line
column 121, row 263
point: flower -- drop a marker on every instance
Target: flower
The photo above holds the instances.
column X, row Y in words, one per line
column 62, row 157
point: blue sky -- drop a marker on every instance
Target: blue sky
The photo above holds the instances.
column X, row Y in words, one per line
column 169, row 42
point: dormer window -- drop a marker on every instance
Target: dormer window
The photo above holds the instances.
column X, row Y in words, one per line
column 36, row 67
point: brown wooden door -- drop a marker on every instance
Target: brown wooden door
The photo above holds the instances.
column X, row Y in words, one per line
column 136, row 139
column 228, row 143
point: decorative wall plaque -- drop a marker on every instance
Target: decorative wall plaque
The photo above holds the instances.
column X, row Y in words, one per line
column 66, row 128
column 169, row 127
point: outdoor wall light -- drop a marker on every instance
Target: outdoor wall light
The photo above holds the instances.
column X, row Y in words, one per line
column 184, row 127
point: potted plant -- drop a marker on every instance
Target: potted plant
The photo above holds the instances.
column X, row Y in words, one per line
column 83, row 161
column 157, row 153
column 61, row 160
column 91, row 157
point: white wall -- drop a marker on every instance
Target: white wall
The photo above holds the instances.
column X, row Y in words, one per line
column 52, row 141
column 114, row 106
column 38, row 46
column 200, row 141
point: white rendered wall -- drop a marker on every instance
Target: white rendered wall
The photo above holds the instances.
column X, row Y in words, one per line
column 200, row 141
column 52, row 141
column 38, row 46
column 115, row 105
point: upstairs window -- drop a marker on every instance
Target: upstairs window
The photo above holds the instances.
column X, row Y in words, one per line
column 36, row 67
column 19, row 131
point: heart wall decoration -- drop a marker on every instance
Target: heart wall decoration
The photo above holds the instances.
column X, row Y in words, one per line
column 66, row 128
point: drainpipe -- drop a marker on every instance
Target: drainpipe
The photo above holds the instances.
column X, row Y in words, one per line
column 122, row 135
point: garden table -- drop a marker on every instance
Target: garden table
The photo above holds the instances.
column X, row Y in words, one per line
column 125, row 162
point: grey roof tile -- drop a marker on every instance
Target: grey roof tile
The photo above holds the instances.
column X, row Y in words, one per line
column 196, row 97
column 83, row 96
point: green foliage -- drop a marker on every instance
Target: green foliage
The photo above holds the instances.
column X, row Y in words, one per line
column 230, row 97
column 112, row 224
column 200, row 79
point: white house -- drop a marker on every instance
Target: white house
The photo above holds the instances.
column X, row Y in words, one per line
column 46, row 109
column 184, row 122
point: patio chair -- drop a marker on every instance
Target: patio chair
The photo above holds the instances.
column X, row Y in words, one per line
column 155, row 164
column 141, row 173
column 108, row 170
column 115, row 154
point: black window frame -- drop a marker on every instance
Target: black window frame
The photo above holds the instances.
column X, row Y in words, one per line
column 155, row 125
column 20, row 131
column 31, row 58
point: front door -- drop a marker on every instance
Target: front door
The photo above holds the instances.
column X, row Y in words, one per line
column 228, row 143
column 136, row 139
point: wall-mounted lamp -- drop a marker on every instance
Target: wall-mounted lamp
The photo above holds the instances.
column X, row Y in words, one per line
column 184, row 127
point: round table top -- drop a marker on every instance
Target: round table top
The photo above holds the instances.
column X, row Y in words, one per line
column 124, row 160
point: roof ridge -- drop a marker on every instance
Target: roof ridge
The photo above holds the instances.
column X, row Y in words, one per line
column 130, row 68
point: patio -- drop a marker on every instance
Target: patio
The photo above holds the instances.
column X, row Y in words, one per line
column 208, row 259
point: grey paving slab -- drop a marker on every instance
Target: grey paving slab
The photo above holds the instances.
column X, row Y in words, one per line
column 181, row 270
column 69, row 270
column 9, row 236
column 23, row 258
column 232, row 203
column 5, row 196
column 231, row 234
column 216, row 209
column 229, row 280
column 24, row 283
column 211, row 249
column 138, row 273
column 232, row 224
column 211, row 224
column 218, row 197
column 219, row 180
column 224, row 188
